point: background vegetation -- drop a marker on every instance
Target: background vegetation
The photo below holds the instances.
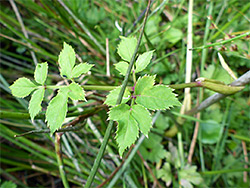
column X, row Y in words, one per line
column 222, row 148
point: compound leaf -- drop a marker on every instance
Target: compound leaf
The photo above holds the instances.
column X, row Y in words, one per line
column 76, row 92
column 127, row 47
column 159, row 97
column 113, row 95
column 122, row 67
column 57, row 109
column 35, row 102
column 41, row 72
column 67, row 60
column 22, row 87
column 82, row 68
column 143, row 60
column 145, row 82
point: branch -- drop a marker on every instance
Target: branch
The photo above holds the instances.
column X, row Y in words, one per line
column 241, row 81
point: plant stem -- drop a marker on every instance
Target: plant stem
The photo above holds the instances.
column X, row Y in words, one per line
column 98, row 87
column 221, row 42
column 110, row 125
column 240, row 13
column 59, row 160
column 214, row 172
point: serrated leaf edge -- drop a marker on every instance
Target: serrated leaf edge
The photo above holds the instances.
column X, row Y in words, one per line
column 151, row 123
column 167, row 108
column 46, row 72
column 15, row 82
column 32, row 119
column 118, row 46
column 119, row 145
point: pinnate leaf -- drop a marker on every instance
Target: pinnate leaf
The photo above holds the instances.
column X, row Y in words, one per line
column 145, row 82
column 76, row 92
column 67, row 60
column 35, row 102
column 159, row 97
column 22, row 87
column 57, row 109
column 80, row 69
column 127, row 47
column 113, row 95
column 143, row 60
column 122, row 67
column 41, row 72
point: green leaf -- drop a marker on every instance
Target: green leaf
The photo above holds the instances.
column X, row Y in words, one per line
column 188, row 175
column 41, row 72
column 210, row 132
column 145, row 82
column 165, row 173
column 152, row 148
column 143, row 118
column 143, row 60
column 76, row 92
column 130, row 121
column 127, row 47
column 117, row 112
column 122, row 67
column 173, row 35
column 82, row 68
column 35, row 102
column 67, row 60
column 57, row 110
column 8, row 184
column 113, row 95
column 127, row 130
column 22, row 87
column 159, row 97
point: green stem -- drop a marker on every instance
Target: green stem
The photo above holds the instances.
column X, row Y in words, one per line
column 59, row 160
column 98, row 87
column 110, row 125
column 180, row 148
column 240, row 13
column 54, row 87
column 215, row 172
column 109, row 88
column 221, row 42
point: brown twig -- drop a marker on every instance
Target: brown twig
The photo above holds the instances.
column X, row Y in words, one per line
column 84, row 42
column 68, row 127
column 116, row 170
column 246, row 160
column 192, row 146
column 149, row 169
